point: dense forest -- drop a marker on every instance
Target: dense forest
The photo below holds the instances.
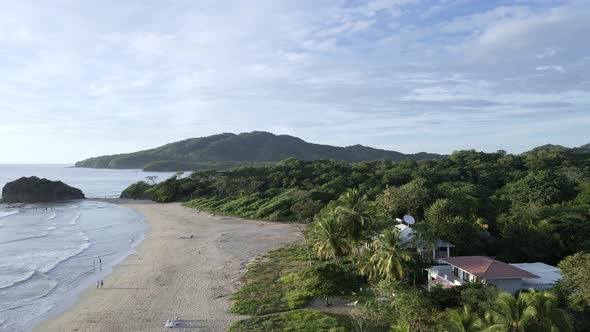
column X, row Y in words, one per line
column 533, row 207
column 228, row 150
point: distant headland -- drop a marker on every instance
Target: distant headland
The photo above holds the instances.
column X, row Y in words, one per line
column 229, row 150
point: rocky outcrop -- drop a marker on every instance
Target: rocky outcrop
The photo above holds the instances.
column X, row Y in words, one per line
column 36, row 190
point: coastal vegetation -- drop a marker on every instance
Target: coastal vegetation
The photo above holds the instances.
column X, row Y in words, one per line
column 533, row 207
column 227, row 150
column 530, row 207
column 294, row 321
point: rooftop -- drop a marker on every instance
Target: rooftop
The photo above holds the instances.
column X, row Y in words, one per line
column 407, row 234
column 487, row 268
column 547, row 274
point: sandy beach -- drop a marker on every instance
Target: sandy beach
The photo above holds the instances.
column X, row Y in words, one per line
column 172, row 274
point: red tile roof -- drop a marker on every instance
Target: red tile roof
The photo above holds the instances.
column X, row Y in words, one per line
column 487, row 268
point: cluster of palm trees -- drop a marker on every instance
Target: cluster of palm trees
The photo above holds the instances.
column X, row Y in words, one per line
column 529, row 311
column 346, row 229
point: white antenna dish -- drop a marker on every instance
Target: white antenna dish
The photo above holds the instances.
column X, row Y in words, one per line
column 409, row 219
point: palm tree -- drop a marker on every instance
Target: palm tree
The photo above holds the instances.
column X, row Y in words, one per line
column 389, row 259
column 363, row 261
column 510, row 314
column 424, row 236
column 352, row 212
column 463, row 321
column 548, row 317
column 329, row 239
column 530, row 311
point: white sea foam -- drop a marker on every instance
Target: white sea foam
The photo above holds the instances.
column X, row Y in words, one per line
column 24, row 238
column 52, row 259
column 12, row 277
column 39, row 287
column 76, row 218
column 8, row 213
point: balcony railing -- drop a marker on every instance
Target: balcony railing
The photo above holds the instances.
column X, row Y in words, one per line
column 443, row 275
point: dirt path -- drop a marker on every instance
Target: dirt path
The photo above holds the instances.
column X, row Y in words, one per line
column 172, row 274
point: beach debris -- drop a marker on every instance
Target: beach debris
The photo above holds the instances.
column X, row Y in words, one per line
column 352, row 304
column 186, row 237
column 172, row 323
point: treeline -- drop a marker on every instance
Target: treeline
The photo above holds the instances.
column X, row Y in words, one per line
column 521, row 208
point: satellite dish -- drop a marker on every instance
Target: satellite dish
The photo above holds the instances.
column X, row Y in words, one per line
column 409, row 219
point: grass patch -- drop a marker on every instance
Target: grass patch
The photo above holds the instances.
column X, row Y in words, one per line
column 283, row 281
column 263, row 293
column 295, row 321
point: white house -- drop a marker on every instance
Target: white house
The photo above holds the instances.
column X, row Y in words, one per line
column 509, row 277
column 442, row 249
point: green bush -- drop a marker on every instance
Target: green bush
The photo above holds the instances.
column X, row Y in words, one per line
column 137, row 191
column 294, row 321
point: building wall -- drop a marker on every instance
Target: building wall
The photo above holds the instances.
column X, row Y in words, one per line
column 509, row 285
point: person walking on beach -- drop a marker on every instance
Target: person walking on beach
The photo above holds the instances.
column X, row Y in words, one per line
column 100, row 261
column 101, row 284
column 97, row 283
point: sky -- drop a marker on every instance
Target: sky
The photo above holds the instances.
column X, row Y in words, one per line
column 86, row 78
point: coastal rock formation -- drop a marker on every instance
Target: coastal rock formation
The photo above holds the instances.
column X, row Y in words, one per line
column 36, row 190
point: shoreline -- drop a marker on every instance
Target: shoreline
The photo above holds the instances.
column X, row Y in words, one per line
column 68, row 236
column 76, row 293
column 170, row 274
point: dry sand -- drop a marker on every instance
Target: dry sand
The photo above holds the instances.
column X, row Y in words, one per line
column 170, row 276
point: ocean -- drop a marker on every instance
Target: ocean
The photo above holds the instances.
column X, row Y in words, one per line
column 50, row 253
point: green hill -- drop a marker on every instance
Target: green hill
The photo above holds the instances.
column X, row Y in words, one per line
column 583, row 148
column 228, row 150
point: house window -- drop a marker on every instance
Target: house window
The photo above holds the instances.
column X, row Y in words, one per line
column 466, row 276
column 455, row 271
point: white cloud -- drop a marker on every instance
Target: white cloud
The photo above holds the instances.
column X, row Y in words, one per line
column 129, row 75
column 557, row 68
column 548, row 53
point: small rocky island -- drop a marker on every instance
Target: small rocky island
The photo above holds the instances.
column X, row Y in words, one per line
column 36, row 190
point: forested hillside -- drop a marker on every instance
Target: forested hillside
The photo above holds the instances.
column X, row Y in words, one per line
column 530, row 207
column 224, row 151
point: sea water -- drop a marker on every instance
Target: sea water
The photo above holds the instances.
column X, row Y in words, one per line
column 95, row 183
column 49, row 253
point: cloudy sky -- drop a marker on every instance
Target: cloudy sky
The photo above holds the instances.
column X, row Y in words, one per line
column 84, row 78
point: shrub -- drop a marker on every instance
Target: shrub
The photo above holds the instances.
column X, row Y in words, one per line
column 137, row 191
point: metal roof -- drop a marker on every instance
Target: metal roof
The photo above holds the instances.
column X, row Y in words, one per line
column 548, row 275
column 487, row 268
